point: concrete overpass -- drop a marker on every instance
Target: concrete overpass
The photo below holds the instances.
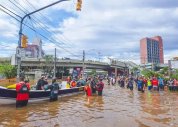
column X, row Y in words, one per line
column 113, row 67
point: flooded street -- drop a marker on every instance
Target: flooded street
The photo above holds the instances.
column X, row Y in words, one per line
column 116, row 108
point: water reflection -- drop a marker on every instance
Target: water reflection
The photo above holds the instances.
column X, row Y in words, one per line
column 116, row 108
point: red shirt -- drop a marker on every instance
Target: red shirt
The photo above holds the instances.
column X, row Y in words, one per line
column 154, row 82
column 88, row 90
column 22, row 96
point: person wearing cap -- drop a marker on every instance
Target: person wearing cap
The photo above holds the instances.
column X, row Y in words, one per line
column 22, row 89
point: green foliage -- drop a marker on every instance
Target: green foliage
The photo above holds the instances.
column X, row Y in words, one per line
column 93, row 72
column 134, row 69
column 49, row 59
column 148, row 73
column 175, row 75
column 8, row 70
column 164, row 71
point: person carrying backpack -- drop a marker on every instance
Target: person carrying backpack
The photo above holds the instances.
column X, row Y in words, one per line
column 22, row 89
column 54, row 90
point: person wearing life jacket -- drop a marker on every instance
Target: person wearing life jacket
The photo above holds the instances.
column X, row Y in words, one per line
column 154, row 82
column 22, row 89
column 87, row 89
column 99, row 87
column 73, row 83
column 149, row 85
column 54, row 90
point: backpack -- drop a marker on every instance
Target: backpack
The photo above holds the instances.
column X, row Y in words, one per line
column 55, row 89
column 24, row 89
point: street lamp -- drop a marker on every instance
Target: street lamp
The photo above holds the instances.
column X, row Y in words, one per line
column 18, row 51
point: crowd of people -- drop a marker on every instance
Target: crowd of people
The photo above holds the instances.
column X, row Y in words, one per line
column 92, row 85
column 142, row 83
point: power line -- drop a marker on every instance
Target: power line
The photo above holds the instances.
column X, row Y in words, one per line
column 38, row 23
column 35, row 30
column 9, row 14
column 17, row 6
column 65, row 39
column 40, row 34
column 10, row 11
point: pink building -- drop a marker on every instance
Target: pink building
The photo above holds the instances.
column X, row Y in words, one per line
column 151, row 50
column 34, row 50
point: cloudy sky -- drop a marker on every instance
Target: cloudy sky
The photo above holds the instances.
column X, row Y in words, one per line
column 107, row 28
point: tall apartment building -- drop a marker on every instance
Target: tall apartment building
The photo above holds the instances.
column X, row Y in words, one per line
column 151, row 50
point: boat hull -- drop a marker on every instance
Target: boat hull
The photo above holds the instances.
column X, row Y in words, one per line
column 8, row 96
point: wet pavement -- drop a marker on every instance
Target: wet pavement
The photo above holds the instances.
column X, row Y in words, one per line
column 117, row 107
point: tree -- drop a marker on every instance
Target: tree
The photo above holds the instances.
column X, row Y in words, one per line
column 8, row 70
column 175, row 75
column 164, row 71
column 48, row 61
column 93, row 72
column 135, row 71
column 148, row 73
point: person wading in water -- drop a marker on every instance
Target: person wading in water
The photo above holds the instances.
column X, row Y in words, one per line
column 100, row 87
column 22, row 90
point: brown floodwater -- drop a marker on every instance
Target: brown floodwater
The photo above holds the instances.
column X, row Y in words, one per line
column 116, row 108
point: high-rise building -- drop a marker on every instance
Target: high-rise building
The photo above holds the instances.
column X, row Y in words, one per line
column 151, row 50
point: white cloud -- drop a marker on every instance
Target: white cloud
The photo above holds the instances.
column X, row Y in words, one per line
column 112, row 27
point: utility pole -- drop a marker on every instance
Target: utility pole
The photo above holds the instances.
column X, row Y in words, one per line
column 18, row 51
column 55, row 64
column 83, row 64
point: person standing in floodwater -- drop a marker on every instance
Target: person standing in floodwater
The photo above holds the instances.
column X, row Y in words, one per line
column 54, row 88
column 93, row 85
column 100, row 86
column 88, row 89
column 22, row 89
column 140, row 84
